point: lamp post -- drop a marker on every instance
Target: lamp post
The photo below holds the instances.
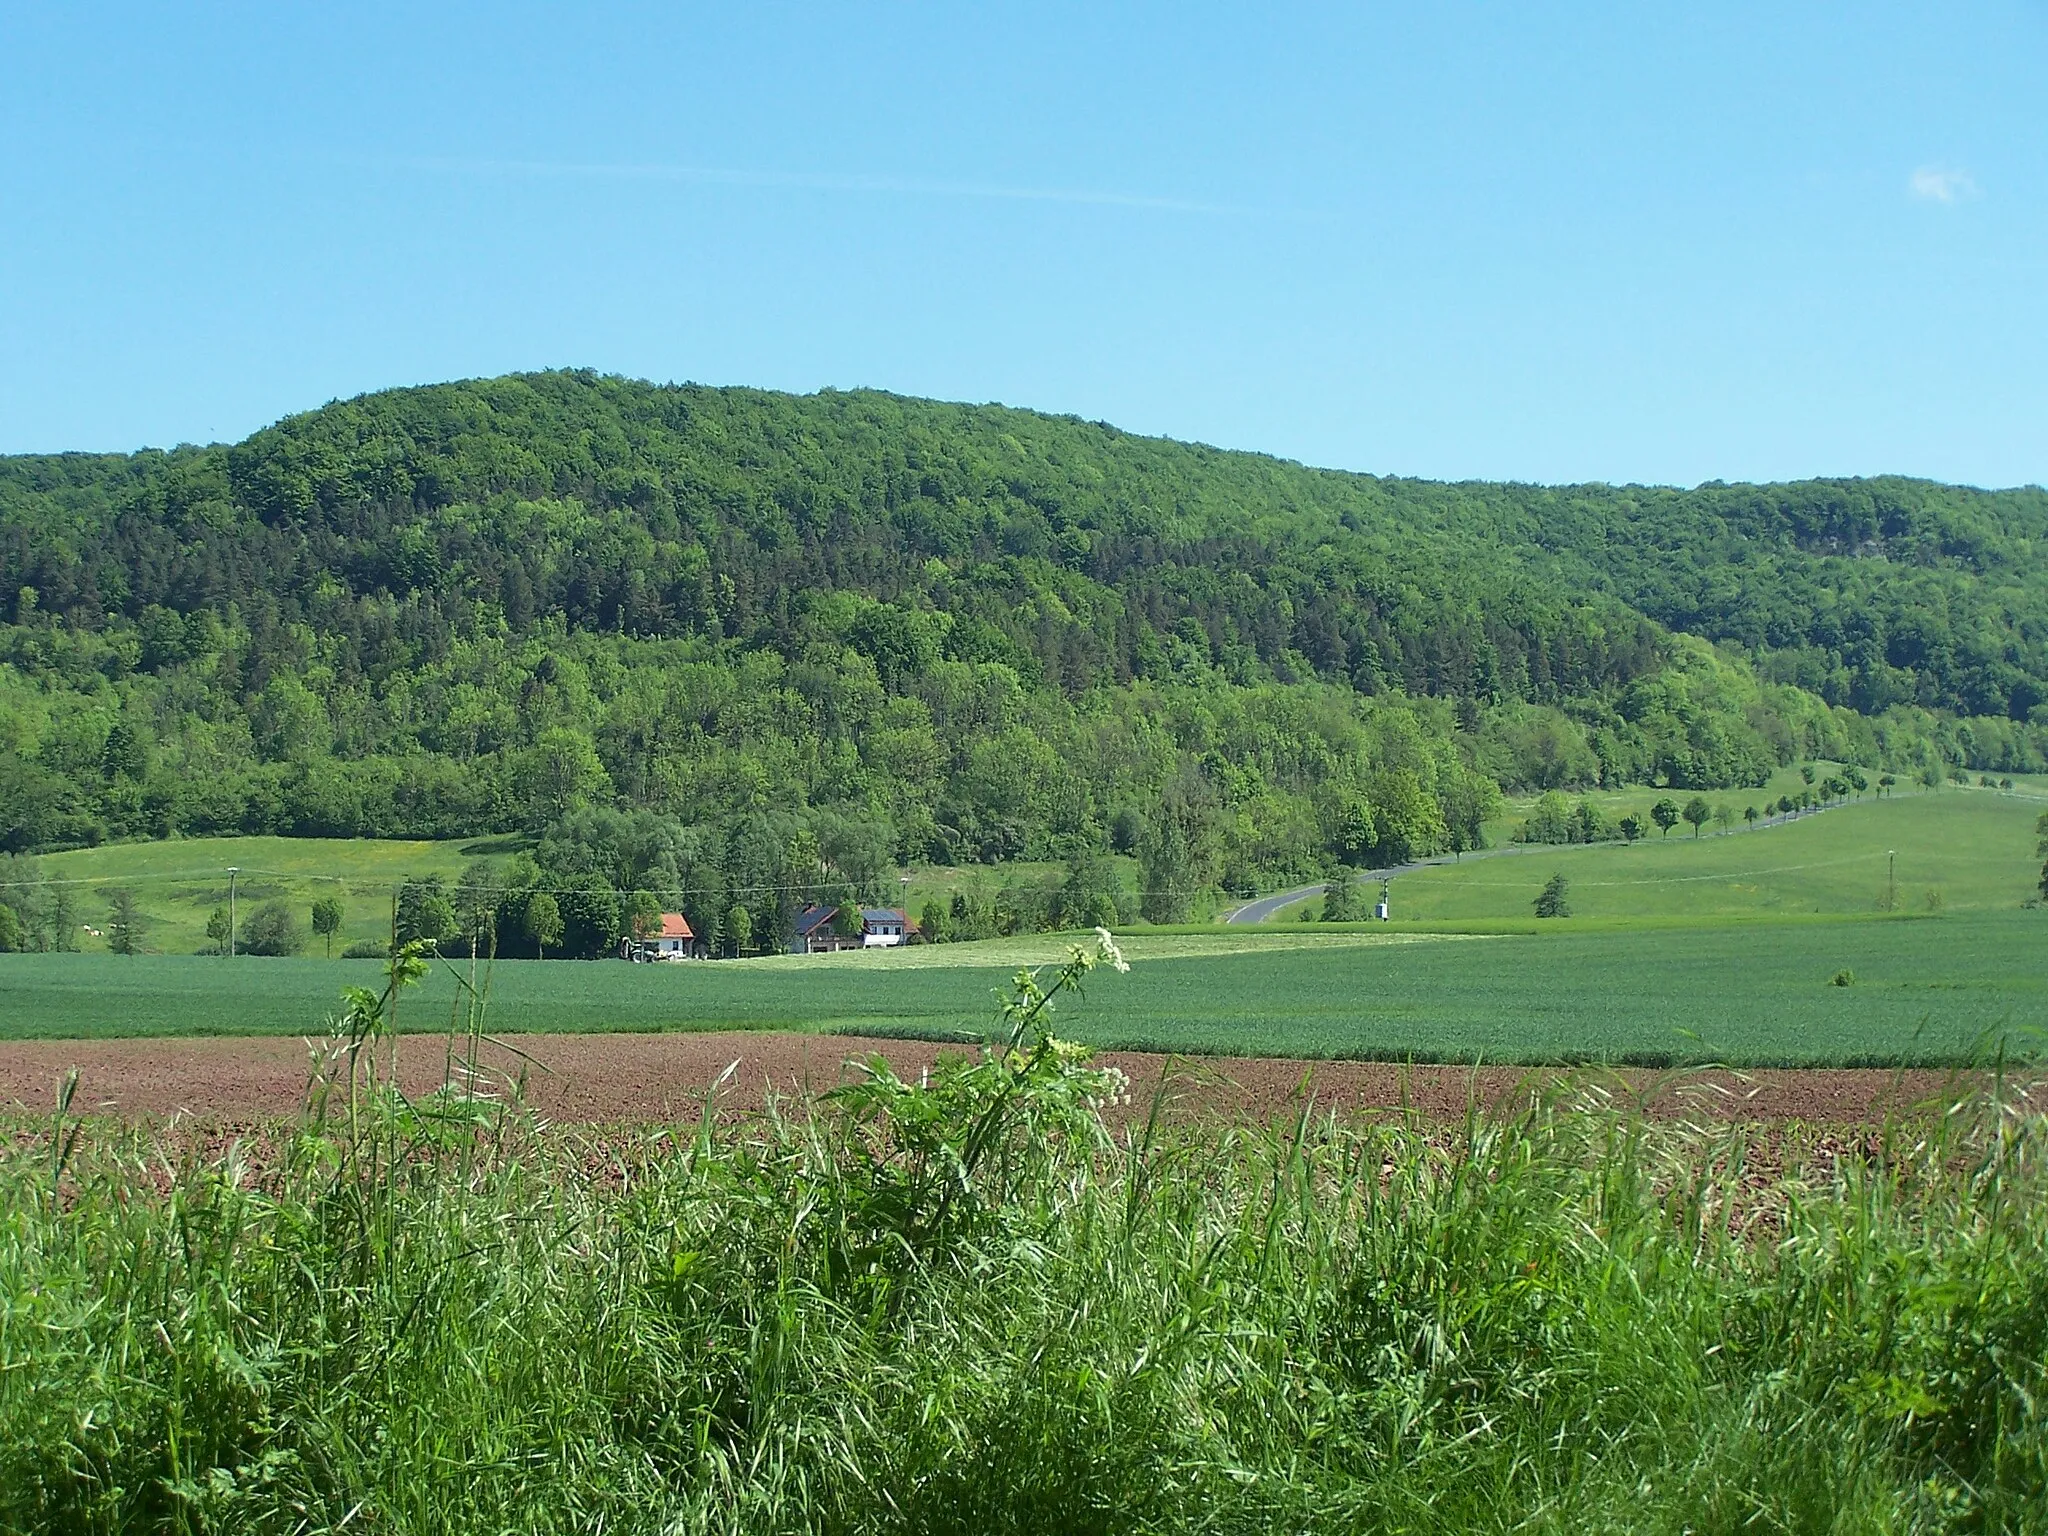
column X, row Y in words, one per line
column 1891, row 880
column 233, row 869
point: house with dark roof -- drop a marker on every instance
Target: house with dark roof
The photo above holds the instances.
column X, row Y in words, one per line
column 880, row 928
column 815, row 935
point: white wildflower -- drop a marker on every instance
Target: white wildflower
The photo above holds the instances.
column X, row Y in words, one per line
column 1110, row 952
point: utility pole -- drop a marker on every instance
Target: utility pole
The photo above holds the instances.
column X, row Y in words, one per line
column 1891, row 880
column 232, row 870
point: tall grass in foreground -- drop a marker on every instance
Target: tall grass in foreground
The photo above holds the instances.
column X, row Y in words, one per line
column 965, row 1305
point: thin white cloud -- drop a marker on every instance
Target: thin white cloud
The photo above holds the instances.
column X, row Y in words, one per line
column 1942, row 184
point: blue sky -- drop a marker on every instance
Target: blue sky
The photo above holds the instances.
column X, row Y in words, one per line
column 1539, row 242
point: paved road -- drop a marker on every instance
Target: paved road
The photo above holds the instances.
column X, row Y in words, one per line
column 1266, row 907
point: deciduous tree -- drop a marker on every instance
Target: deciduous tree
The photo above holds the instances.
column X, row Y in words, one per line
column 327, row 920
column 543, row 922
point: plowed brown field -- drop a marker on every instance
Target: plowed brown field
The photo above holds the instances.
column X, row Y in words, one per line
column 610, row 1079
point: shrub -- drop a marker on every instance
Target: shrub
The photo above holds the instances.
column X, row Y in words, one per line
column 1552, row 900
column 272, row 929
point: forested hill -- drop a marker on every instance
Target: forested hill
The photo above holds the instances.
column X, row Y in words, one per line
column 369, row 617
column 667, row 511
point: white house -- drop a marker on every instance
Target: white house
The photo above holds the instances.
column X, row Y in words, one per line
column 884, row 927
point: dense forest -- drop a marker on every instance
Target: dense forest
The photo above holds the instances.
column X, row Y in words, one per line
column 844, row 629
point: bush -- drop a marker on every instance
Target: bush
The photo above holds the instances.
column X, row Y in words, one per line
column 366, row 949
column 272, row 929
column 1551, row 901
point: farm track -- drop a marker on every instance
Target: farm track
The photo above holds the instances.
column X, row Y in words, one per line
column 613, row 1079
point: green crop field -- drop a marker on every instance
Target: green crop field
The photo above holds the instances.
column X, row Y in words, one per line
column 1926, row 989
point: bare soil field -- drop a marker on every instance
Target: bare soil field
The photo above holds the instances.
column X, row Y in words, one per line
column 614, row 1079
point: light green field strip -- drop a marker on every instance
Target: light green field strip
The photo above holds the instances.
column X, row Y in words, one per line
column 1052, row 948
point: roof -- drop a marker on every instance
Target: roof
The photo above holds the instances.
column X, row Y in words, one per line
column 675, row 926
column 884, row 915
column 811, row 919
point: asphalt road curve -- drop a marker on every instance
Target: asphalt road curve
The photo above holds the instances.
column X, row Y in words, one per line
column 1266, row 907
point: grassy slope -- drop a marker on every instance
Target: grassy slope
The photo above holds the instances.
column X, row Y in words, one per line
column 179, row 882
column 928, row 882
column 1973, row 849
column 1751, row 992
column 1637, row 800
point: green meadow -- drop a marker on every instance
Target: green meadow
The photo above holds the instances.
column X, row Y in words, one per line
column 178, row 882
column 1956, row 850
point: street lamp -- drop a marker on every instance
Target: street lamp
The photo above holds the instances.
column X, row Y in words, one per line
column 233, row 869
column 1891, row 880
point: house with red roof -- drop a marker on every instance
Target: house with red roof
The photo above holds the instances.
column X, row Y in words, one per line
column 672, row 940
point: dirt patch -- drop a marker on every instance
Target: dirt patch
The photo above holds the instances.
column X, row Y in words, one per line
column 600, row 1079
